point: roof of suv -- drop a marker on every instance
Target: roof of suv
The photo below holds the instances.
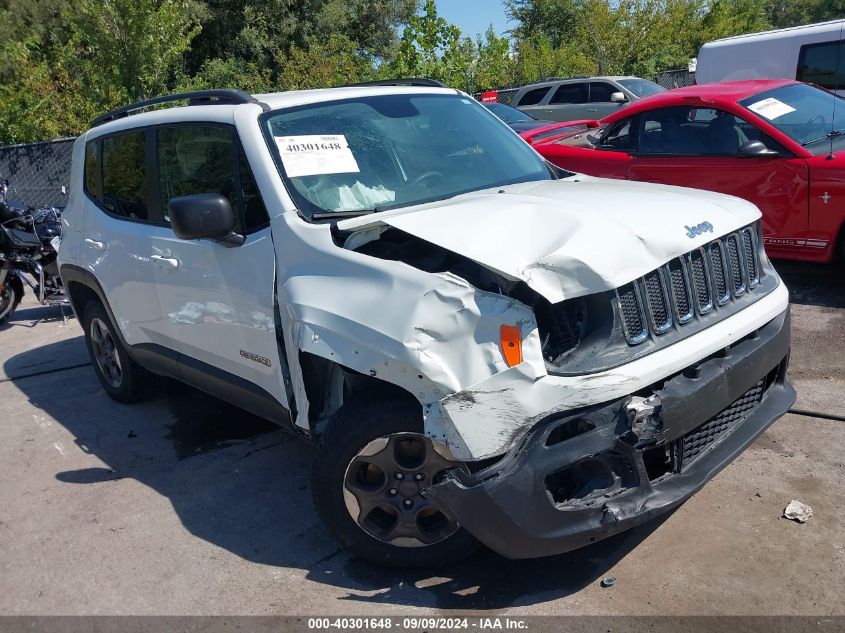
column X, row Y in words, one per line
column 227, row 99
column 553, row 81
column 302, row 97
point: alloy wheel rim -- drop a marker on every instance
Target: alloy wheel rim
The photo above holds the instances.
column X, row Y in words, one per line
column 105, row 352
column 384, row 485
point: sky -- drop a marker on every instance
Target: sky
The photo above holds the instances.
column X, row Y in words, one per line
column 474, row 16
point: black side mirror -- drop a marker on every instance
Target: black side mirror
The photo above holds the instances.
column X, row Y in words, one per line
column 755, row 149
column 204, row 216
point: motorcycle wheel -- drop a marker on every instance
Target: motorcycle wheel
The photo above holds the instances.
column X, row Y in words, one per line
column 9, row 300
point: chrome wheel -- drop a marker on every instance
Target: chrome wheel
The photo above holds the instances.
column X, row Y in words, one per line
column 383, row 490
column 105, row 352
column 7, row 301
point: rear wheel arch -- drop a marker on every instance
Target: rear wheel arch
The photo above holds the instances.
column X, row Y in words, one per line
column 80, row 295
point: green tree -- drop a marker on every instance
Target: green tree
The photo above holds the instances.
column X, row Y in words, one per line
column 556, row 20
column 784, row 13
column 334, row 62
column 134, row 45
column 261, row 32
column 493, row 65
column 432, row 47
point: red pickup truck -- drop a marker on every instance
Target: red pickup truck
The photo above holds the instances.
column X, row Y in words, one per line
column 779, row 144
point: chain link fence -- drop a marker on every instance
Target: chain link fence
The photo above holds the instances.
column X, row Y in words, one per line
column 38, row 173
column 675, row 79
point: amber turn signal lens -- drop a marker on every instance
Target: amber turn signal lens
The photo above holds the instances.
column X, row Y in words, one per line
column 511, row 337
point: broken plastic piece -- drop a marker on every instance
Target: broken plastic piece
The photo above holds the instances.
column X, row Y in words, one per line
column 608, row 582
column 644, row 415
column 798, row 511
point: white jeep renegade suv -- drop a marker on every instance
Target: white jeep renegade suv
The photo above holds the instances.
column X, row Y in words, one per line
column 484, row 347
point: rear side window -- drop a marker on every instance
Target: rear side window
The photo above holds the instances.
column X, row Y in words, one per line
column 208, row 159
column 92, row 168
column 533, row 97
column 823, row 64
column 570, row 93
column 124, row 176
column 600, row 92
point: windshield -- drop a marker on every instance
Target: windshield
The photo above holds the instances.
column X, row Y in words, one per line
column 381, row 152
column 804, row 113
column 641, row 87
column 507, row 113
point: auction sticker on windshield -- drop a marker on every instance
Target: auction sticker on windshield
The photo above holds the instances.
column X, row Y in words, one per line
column 315, row 154
column 771, row 108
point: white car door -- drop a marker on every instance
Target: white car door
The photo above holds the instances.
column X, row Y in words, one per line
column 117, row 228
column 217, row 302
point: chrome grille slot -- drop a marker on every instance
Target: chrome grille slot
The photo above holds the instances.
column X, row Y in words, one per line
column 633, row 317
column 735, row 264
column 690, row 287
column 717, row 271
column 701, row 281
column 750, row 252
column 681, row 290
column 657, row 300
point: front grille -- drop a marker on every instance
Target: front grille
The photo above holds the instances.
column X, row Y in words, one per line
column 696, row 442
column 672, row 295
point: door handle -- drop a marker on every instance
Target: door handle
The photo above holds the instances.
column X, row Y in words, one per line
column 170, row 262
column 100, row 246
column 592, row 109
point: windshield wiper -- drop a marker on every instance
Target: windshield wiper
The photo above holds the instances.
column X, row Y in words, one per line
column 831, row 134
column 343, row 215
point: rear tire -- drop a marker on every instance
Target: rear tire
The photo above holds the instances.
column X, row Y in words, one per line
column 9, row 301
column 122, row 378
column 353, row 439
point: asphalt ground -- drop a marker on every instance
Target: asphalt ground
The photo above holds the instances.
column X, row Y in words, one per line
column 186, row 505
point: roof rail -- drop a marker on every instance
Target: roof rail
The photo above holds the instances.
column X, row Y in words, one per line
column 404, row 81
column 564, row 78
column 223, row 96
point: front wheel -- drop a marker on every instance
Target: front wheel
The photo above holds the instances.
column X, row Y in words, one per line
column 9, row 300
column 368, row 481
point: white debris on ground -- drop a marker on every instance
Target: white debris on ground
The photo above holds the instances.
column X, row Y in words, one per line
column 798, row 511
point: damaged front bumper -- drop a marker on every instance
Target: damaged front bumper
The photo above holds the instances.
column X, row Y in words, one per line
column 584, row 475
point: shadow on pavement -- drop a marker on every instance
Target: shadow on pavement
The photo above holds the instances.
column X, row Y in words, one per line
column 813, row 284
column 241, row 483
column 32, row 317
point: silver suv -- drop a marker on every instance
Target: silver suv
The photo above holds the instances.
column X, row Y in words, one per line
column 581, row 98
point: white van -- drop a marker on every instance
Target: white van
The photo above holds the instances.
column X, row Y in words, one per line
column 811, row 53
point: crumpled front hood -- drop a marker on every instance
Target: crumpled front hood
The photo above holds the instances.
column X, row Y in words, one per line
column 571, row 237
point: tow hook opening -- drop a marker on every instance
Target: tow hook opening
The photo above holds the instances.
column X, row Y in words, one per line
column 569, row 429
column 596, row 477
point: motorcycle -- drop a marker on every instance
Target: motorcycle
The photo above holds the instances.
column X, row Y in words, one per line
column 29, row 245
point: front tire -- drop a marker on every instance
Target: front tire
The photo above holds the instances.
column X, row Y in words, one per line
column 9, row 300
column 371, row 467
column 122, row 378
